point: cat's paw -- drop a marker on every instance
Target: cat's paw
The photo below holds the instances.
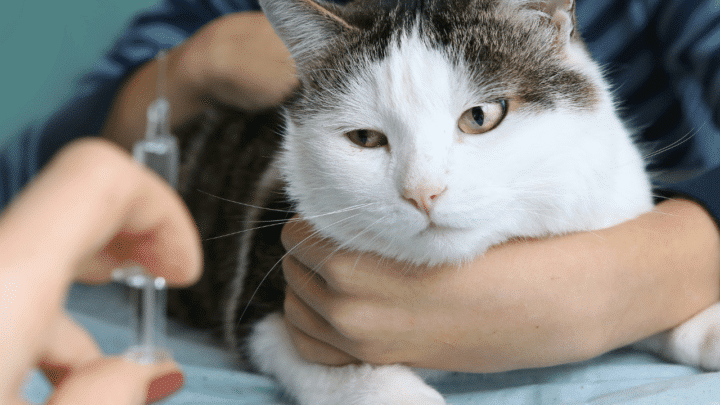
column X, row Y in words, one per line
column 710, row 358
column 698, row 345
column 271, row 350
column 397, row 385
column 424, row 397
column 695, row 342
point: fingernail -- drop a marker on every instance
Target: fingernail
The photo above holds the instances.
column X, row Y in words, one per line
column 54, row 373
column 162, row 387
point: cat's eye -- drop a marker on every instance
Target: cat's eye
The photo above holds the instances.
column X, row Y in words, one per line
column 367, row 138
column 483, row 118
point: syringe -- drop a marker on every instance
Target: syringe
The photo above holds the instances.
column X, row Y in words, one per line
column 159, row 151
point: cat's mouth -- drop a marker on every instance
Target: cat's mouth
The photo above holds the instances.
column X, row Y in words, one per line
column 435, row 228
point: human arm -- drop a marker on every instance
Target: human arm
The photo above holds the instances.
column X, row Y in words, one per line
column 523, row 304
column 92, row 209
column 236, row 60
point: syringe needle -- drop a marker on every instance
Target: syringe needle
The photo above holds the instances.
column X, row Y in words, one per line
column 159, row 151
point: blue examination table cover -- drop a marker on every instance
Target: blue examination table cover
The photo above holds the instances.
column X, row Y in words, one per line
column 621, row 377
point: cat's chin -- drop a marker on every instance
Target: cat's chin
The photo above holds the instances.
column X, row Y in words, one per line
column 434, row 245
column 441, row 230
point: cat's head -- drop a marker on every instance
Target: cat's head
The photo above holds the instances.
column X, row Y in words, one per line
column 430, row 130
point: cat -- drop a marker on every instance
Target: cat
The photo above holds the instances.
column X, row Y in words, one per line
column 426, row 131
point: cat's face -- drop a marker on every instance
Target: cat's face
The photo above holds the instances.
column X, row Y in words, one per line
column 429, row 135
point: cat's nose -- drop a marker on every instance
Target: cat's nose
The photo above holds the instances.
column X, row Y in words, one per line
column 424, row 197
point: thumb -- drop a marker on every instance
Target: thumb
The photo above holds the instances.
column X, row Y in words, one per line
column 117, row 381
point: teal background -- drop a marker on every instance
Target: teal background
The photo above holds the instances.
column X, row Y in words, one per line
column 46, row 45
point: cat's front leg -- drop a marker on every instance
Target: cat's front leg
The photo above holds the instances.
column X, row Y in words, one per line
column 695, row 342
column 272, row 351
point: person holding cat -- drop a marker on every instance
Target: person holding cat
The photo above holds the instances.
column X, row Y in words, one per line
column 600, row 295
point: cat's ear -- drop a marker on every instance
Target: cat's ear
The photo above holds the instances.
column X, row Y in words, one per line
column 306, row 27
column 561, row 14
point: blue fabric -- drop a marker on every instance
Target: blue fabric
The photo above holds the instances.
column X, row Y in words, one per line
column 621, row 377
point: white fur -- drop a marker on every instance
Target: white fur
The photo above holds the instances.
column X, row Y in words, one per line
column 538, row 173
column 304, row 37
column 696, row 342
column 312, row 384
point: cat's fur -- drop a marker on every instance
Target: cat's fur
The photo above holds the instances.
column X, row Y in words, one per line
column 560, row 161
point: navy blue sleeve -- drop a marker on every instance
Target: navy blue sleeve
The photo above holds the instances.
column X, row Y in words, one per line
column 689, row 31
column 704, row 189
column 163, row 26
column 663, row 57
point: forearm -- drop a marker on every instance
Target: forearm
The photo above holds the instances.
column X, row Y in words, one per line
column 619, row 285
column 523, row 304
column 671, row 273
column 574, row 297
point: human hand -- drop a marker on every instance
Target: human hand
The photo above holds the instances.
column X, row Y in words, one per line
column 236, row 60
column 523, row 304
column 355, row 306
column 91, row 210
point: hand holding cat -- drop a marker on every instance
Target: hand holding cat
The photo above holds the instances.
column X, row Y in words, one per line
column 90, row 210
column 523, row 304
column 484, row 316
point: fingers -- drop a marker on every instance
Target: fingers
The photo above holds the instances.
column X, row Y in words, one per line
column 68, row 348
column 97, row 208
column 302, row 317
column 314, row 338
column 346, row 272
column 74, row 365
column 118, row 381
column 305, row 308
column 316, row 351
column 334, row 265
column 311, row 288
column 302, row 241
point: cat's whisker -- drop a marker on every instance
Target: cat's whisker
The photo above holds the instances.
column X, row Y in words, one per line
column 280, row 222
column 276, row 222
column 654, row 211
column 244, row 204
column 349, row 241
column 382, row 259
column 370, row 242
column 663, row 197
column 408, row 267
column 339, row 211
column 685, row 138
column 267, row 274
column 268, row 221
